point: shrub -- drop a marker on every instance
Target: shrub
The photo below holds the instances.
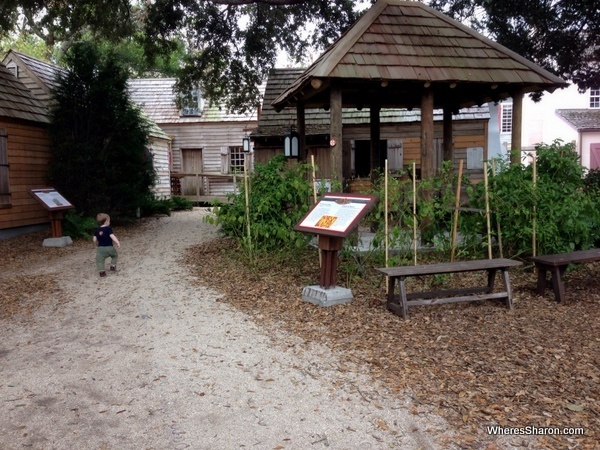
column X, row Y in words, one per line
column 75, row 225
column 181, row 204
column 278, row 198
column 566, row 216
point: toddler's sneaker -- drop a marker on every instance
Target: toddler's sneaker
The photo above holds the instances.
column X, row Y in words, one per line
column 102, row 273
column 113, row 267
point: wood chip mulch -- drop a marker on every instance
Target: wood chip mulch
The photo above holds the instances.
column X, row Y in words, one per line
column 477, row 364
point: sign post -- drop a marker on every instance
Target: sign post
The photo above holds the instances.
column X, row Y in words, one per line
column 56, row 205
column 333, row 217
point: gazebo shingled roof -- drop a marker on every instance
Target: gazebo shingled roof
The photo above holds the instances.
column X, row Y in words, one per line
column 406, row 44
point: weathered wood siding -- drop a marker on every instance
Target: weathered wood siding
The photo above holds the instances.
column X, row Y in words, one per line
column 28, row 149
column 211, row 137
column 160, row 149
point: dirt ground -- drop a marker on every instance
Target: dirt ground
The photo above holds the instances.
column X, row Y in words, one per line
column 186, row 347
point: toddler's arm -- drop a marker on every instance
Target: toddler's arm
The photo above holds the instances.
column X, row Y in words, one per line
column 115, row 240
column 95, row 241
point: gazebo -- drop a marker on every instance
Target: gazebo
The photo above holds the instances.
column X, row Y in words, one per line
column 404, row 54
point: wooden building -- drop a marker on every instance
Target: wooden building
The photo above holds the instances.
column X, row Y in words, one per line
column 40, row 78
column 24, row 155
column 400, row 135
column 404, row 54
column 206, row 148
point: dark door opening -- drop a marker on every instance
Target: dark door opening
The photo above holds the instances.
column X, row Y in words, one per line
column 362, row 158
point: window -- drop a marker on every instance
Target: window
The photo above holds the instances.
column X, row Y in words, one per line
column 192, row 104
column 506, row 119
column 594, row 98
column 4, row 185
column 236, row 159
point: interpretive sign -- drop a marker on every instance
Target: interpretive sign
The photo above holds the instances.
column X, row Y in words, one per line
column 51, row 199
column 336, row 214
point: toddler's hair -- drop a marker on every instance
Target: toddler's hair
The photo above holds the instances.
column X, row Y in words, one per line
column 102, row 218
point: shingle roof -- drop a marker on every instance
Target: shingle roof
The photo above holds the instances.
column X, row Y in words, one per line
column 45, row 71
column 272, row 123
column 409, row 41
column 581, row 119
column 17, row 102
column 156, row 97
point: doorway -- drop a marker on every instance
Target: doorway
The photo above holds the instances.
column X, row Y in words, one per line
column 192, row 165
column 361, row 158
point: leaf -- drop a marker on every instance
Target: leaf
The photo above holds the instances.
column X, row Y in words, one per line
column 574, row 407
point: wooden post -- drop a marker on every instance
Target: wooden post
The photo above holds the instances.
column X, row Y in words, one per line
column 329, row 246
column 375, row 134
column 487, row 209
column 56, row 218
column 301, row 122
column 385, row 195
column 517, row 126
column 456, row 210
column 448, row 144
column 415, row 210
column 335, row 132
column 427, row 158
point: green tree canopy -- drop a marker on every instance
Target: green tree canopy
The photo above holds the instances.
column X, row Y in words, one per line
column 99, row 137
column 562, row 36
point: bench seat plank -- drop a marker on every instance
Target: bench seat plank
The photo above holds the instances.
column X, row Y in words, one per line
column 453, row 267
column 562, row 259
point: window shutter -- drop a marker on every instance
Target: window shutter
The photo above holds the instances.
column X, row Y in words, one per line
column 4, row 184
column 225, row 165
column 395, row 154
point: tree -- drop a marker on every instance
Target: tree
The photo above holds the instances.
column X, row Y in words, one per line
column 230, row 44
column 99, row 137
column 65, row 22
column 562, row 36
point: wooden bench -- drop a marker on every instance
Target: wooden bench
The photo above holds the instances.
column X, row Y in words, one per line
column 557, row 264
column 397, row 275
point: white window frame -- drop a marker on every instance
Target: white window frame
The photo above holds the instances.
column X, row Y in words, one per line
column 236, row 159
column 506, row 117
column 594, row 98
column 192, row 103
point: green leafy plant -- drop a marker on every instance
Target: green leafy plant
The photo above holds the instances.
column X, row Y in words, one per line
column 76, row 226
column 278, row 198
column 154, row 206
column 181, row 204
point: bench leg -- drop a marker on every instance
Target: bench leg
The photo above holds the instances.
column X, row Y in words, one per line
column 506, row 279
column 557, row 283
column 390, row 296
column 542, row 284
column 491, row 280
column 403, row 299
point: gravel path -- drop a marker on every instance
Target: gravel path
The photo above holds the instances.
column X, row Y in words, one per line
column 142, row 359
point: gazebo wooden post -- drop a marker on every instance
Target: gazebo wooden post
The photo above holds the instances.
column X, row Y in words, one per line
column 335, row 132
column 448, row 138
column 375, row 133
column 517, row 127
column 301, row 123
column 427, row 158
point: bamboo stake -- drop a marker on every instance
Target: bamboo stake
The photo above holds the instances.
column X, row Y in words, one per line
column 497, row 218
column 415, row 210
column 314, row 177
column 387, row 254
column 246, row 189
column 456, row 210
column 534, row 224
column 487, row 210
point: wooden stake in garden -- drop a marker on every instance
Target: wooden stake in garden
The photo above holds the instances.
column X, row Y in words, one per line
column 415, row 210
column 314, row 177
column 456, row 210
column 385, row 195
column 487, row 210
column 497, row 217
column 534, row 219
column 246, row 189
